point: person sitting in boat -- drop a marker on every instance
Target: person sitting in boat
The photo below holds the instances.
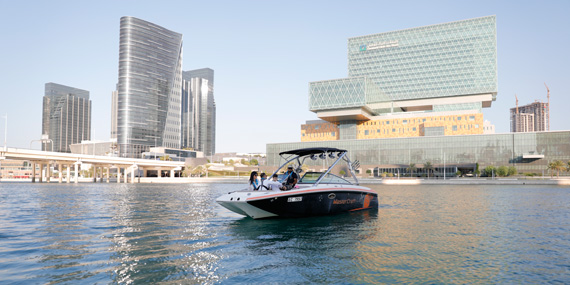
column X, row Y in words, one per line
column 253, row 183
column 273, row 183
column 263, row 182
column 291, row 178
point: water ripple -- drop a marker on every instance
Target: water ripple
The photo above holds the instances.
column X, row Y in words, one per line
column 125, row 233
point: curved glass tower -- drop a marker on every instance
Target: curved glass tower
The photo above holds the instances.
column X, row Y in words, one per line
column 149, row 88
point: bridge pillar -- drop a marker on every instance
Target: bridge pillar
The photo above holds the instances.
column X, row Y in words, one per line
column 48, row 172
column 33, row 172
column 126, row 174
column 67, row 177
column 118, row 175
column 108, row 173
column 60, row 173
column 132, row 175
column 172, row 173
column 76, row 179
column 94, row 173
column 41, row 172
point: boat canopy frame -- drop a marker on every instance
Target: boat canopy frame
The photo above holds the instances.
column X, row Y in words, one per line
column 300, row 155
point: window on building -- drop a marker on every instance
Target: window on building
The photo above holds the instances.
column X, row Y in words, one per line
column 454, row 128
column 423, row 120
column 387, row 122
column 471, row 118
column 393, row 130
column 378, row 130
column 366, row 132
column 477, row 126
column 317, row 127
column 404, row 121
column 459, row 118
column 414, row 129
column 333, row 134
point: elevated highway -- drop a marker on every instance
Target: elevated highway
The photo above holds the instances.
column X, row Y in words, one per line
column 125, row 166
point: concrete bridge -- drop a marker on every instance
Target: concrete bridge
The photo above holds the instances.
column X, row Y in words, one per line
column 129, row 165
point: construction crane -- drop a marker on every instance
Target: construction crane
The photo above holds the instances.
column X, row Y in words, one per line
column 547, row 106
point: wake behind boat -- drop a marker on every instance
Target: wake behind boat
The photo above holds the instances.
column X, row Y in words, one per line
column 315, row 194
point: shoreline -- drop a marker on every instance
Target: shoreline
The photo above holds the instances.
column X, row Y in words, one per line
column 363, row 181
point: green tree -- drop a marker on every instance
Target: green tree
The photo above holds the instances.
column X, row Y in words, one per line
column 458, row 173
column 477, row 171
column 428, row 167
column 342, row 173
column 412, row 168
column 502, row 171
column 369, row 172
column 489, row 170
column 254, row 162
column 512, row 170
column 557, row 166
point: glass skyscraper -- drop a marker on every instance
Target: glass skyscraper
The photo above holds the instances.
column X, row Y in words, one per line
column 199, row 111
column 149, row 88
column 66, row 117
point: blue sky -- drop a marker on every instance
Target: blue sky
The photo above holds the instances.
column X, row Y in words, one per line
column 264, row 54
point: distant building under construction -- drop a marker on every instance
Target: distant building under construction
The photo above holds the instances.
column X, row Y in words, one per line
column 530, row 118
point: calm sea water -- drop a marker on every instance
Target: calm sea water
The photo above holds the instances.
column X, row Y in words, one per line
column 149, row 233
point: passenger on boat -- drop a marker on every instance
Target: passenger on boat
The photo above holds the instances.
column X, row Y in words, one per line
column 263, row 182
column 273, row 183
column 290, row 178
column 253, row 183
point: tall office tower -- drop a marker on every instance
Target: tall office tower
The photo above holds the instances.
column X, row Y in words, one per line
column 114, row 113
column 66, row 117
column 530, row 118
column 149, row 88
column 199, row 111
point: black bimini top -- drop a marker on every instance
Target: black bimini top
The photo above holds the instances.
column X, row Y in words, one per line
column 312, row 150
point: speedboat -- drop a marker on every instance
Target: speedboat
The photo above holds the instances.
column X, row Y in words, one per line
column 315, row 194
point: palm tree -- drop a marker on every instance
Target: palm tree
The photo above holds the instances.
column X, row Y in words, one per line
column 412, row 168
column 557, row 165
column 428, row 167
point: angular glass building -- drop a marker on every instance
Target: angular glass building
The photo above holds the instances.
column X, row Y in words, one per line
column 149, row 88
column 66, row 117
column 416, row 96
column 438, row 68
column 199, row 111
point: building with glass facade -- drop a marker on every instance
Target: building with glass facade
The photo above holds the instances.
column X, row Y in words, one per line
column 66, row 117
column 432, row 69
column 528, row 152
column 199, row 111
column 416, row 96
column 149, row 88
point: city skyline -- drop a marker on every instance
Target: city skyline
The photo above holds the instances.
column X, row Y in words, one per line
column 264, row 60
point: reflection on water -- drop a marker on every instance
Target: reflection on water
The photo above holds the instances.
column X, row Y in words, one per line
column 125, row 233
column 304, row 250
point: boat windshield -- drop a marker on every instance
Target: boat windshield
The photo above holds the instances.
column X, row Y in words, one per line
column 312, row 177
